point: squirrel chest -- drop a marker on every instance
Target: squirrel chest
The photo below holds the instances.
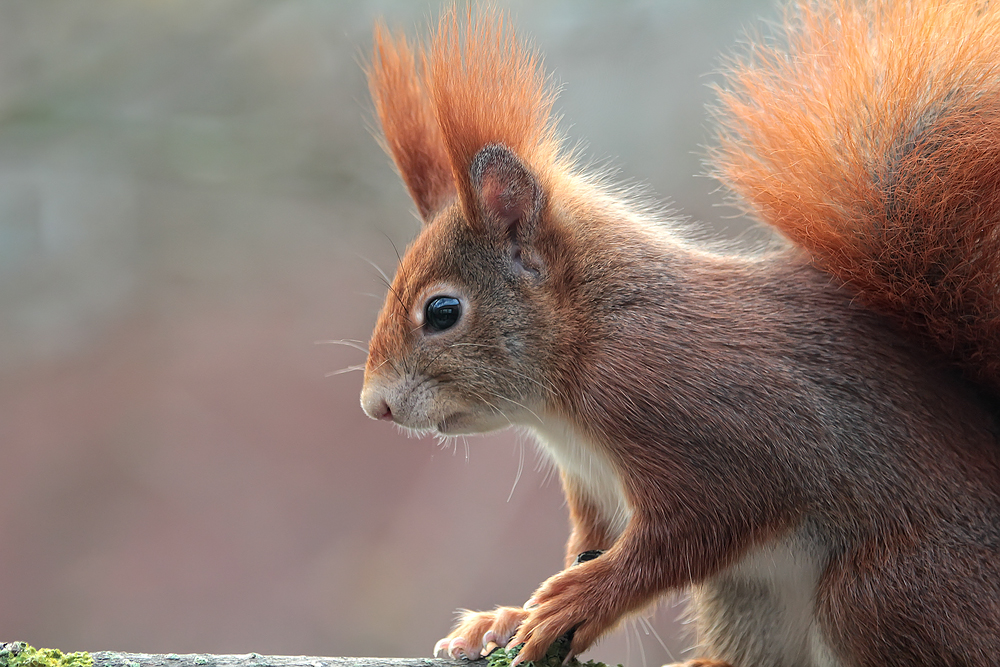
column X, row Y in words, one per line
column 588, row 465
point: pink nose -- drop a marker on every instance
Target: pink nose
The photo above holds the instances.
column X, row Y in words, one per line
column 374, row 404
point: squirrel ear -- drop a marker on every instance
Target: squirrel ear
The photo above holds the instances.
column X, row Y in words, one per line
column 508, row 193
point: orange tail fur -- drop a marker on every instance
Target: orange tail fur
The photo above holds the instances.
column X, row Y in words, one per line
column 871, row 138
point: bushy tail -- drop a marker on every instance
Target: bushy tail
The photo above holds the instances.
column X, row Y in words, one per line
column 868, row 133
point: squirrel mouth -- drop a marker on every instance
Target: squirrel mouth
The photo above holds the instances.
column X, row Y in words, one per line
column 448, row 425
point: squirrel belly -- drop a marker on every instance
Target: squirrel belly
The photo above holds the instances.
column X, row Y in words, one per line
column 807, row 437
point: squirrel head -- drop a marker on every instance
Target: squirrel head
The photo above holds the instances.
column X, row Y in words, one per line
column 466, row 333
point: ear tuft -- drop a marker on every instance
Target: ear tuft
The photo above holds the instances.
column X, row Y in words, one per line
column 508, row 192
column 410, row 132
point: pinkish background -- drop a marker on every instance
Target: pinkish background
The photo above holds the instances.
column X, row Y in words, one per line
column 188, row 196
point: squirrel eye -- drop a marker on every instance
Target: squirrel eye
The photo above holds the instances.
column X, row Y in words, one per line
column 442, row 312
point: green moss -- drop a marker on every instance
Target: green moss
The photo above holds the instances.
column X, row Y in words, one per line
column 19, row 654
column 554, row 657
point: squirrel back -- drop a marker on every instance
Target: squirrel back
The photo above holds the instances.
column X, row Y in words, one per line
column 869, row 135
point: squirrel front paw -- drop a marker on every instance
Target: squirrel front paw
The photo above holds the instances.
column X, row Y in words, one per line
column 479, row 632
column 573, row 601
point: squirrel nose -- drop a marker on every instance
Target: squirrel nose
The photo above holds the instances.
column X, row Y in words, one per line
column 375, row 406
column 383, row 411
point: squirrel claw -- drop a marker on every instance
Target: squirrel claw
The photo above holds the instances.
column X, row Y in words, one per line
column 452, row 647
column 459, row 648
column 479, row 633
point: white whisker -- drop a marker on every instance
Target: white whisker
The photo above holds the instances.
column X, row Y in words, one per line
column 356, row 344
column 520, row 464
column 642, row 649
column 650, row 630
column 522, row 405
column 547, row 387
column 492, row 406
column 359, row 367
column 628, row 644
column 382, row 273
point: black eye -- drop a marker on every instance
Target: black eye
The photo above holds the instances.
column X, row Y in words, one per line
column 442, row 312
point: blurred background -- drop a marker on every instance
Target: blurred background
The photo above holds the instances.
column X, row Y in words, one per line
column 189, row 197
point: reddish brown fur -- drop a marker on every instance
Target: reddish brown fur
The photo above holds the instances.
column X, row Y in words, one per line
column 876, row 147
column 410, row 131
column 763, row 433
column 475, row 85
column 590, row 531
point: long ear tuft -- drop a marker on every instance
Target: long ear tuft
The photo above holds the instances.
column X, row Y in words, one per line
column 410, row 131
column 475, row 85
column 488, row 89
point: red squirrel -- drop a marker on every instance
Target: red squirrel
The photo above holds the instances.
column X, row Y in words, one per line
column 808, row 437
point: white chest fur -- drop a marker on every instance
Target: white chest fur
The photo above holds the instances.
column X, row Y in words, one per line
column 761, row 611
column 589, row 466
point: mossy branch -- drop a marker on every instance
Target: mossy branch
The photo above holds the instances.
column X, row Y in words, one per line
column 19, row 654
